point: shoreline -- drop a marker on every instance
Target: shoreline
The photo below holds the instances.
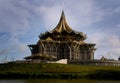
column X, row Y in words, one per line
column 84, row 75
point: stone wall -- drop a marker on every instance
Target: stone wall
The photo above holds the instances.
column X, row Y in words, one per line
column 94, row 62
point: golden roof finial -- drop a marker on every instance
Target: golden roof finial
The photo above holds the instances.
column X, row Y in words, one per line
column 63, row 15
column 62, row 25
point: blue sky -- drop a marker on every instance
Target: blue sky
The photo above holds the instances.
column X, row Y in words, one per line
column 21, row 21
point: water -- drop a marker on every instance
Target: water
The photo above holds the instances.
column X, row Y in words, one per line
column 58, row 81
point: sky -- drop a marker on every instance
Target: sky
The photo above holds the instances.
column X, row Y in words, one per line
column 22, row 21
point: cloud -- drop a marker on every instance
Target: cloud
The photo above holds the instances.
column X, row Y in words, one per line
column 22, row 20
column 106, row 43
column 14, row 18
column 82, row 15
column 15, row 22
column 49, row 16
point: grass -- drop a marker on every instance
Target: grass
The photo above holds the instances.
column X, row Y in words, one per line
column 47, row 70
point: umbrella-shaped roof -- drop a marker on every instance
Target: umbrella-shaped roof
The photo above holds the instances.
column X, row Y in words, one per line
column 63, row 29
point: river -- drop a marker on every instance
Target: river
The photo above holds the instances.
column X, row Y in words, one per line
column 57, row 81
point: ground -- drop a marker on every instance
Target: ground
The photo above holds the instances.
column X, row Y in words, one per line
column 48, row 70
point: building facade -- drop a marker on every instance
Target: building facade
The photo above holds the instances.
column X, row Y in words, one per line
column 63, row 43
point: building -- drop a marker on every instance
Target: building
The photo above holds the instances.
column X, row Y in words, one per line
column 63, row 43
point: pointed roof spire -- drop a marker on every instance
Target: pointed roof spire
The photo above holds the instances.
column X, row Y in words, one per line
column 62, row 25
column 63, row 15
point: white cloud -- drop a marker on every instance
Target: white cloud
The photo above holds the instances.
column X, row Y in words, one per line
column 106, row 43
column 17, row 16
column 83, row 14
column 14, row 18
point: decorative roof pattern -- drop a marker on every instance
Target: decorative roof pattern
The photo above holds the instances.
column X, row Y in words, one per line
column 63, row 31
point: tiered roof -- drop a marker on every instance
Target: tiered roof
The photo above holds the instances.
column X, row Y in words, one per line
column 63, row 31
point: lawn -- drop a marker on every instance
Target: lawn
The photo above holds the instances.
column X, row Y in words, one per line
column 48, row 70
